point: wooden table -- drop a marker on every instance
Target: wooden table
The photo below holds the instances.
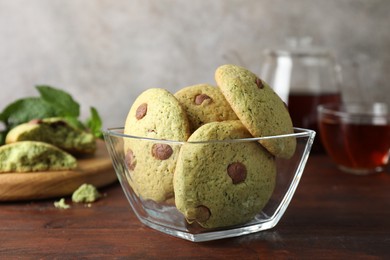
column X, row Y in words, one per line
column 333, row 215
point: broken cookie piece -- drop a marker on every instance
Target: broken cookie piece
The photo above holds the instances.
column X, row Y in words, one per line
column 56, row 131
column 32, row 156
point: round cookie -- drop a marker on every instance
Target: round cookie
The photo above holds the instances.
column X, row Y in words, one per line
column 156, row 114
column 220, row 183
column 204, row 104
column 258, row 107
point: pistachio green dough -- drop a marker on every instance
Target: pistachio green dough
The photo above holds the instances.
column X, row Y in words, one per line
column 86, row 193
column 55, row 131
column 205, row 191
column 61, row 204
column 32, row 156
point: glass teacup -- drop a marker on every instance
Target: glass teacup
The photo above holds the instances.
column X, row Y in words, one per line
column 356, row 135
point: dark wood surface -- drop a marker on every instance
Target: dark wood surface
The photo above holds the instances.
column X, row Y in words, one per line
column 333, row 215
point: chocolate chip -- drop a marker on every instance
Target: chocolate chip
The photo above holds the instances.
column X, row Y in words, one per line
column 141, row 111
column 259, row 83
column 202, row 97
column 161, row 151
column 202, row 213
column 237, row 172
column 130, row 160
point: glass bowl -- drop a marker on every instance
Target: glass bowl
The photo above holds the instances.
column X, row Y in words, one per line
column 165, row 217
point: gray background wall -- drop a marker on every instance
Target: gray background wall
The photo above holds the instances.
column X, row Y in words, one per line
column 106, row 52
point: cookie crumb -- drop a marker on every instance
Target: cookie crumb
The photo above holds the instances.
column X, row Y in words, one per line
column 61, row 204
column 86, row 193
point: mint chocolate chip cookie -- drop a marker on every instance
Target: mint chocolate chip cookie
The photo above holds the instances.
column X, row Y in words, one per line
column 156, row 114
column 204, row 104
column 56, row 131
column 221, row 183
column 258, row 107
column 32, row 156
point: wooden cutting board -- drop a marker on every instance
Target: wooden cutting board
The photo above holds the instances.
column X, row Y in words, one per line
column 96, row 170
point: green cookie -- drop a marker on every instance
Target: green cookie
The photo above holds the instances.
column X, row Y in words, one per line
column 55, row 131
column 204, row 104
column 258, row 107
column 221, row 184
column 157, row 114
column 32, row 156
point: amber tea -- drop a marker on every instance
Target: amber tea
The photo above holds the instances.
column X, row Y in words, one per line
column 303, row 111
column 357, row 137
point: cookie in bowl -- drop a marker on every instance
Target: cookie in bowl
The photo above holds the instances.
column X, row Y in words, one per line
column 156, row 114
column 204, row 103
column 220, row 183
column 258, row 107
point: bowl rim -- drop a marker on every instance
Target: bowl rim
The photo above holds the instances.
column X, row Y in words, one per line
column 341, row 110
column 298, row 133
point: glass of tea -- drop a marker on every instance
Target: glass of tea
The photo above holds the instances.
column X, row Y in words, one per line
column 304, row 76
column 356, row 135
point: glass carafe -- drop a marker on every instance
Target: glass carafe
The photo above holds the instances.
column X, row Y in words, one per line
column 304, row 76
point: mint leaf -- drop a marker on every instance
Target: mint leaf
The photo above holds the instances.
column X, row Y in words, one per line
column 24, row 110
column 61, row 101
column 73, row 121
column 52, row 103
column 94, row 123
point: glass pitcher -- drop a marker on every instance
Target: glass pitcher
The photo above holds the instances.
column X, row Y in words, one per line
column 304, row 76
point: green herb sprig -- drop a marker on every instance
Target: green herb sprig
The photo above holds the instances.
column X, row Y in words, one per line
column 52, row 102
